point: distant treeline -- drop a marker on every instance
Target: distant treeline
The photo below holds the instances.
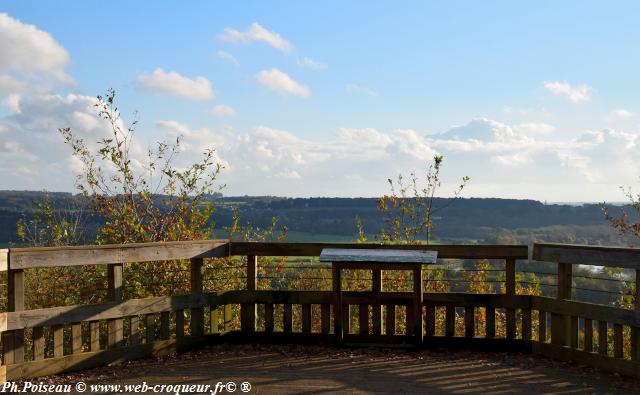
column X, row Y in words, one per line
column 478, row 220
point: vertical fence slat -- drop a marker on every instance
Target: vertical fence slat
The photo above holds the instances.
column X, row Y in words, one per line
column 134, row 324
column 287, row 318
column 510, row 288
column 76, row 338
column 588, row 335
column 418, row 298
column 602, row 337
column 13, row 341
column 38, row 343
column 450, row 321
column 115, row 327
column 214, row 319
column 376, row 312
column 94, row 334
column 164, row 325
column 573, row 332
column 268, row 317
column 560, row 325
column 197, row 313
column 150, row 323
column 469, row 321
column 431, row 320
column 337, row 308
column 58, row 340
column 248, row 310
column 409, row 320
column 526, row 324
column 390, row 322
column 617, row 340
column 306, row 318
column 179, row 323
column 490, row 321
column 542, row 326
column 325, row 314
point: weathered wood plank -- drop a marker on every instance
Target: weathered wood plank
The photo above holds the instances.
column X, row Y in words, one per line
column 588, row 255
column 22, row 258
column 14, row 342
column 376, row 308
column 573, row 331
column 584, row 309
column 478, row 300
column 377, row 255
column 510, row 288
column 214, row 320
column 150, row 325
column 249, row 310
column 444, row 251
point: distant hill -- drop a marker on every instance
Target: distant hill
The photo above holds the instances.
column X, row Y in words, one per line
column 469, row 219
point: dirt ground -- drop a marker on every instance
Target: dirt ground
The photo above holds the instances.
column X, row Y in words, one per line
column 293, row 369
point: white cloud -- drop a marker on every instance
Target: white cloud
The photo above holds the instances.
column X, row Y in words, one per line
column 533, row 128
column 353, row 88
column 172, row 83
column 222, row 110
column 257, row 33
column 279, row 81
column 619, row 114
column 312, row 64
column 575, row 94
column 228, row 57
column 27, row 50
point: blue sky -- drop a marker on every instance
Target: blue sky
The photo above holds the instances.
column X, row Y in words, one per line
column 531, row 100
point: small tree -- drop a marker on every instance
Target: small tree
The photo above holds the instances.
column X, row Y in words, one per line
column 142, row 202
column 409, row 209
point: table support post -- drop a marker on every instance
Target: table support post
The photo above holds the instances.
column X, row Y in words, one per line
column 417, row 304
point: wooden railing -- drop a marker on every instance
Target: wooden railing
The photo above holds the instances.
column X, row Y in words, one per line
column 77, row 337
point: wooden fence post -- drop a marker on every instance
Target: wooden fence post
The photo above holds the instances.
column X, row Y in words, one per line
column 248, row 310
column 510, row 288
column 197, row 314
column 561, row 324
column 376, row 313
column 115, row 327
column 13, row 341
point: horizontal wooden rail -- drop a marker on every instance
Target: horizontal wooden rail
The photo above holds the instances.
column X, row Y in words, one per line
column 444, row 251
column 583, row 309
column 588, row 255
column 25, row 258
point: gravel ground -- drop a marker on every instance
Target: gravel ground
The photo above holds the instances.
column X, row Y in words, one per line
column 294, row 369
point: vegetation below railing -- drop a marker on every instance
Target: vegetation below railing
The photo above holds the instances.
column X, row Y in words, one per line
column 133, row 316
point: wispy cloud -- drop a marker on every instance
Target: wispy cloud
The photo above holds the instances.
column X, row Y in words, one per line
column 573, row 93
column 312, row 64
column 228, row 57
column 279, row 81
column 173, row 83
column 619, row 114
column 353, row 88
column 256, row 33
column 222, row 110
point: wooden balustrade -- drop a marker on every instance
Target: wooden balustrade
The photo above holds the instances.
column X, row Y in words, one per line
column 119, row 329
